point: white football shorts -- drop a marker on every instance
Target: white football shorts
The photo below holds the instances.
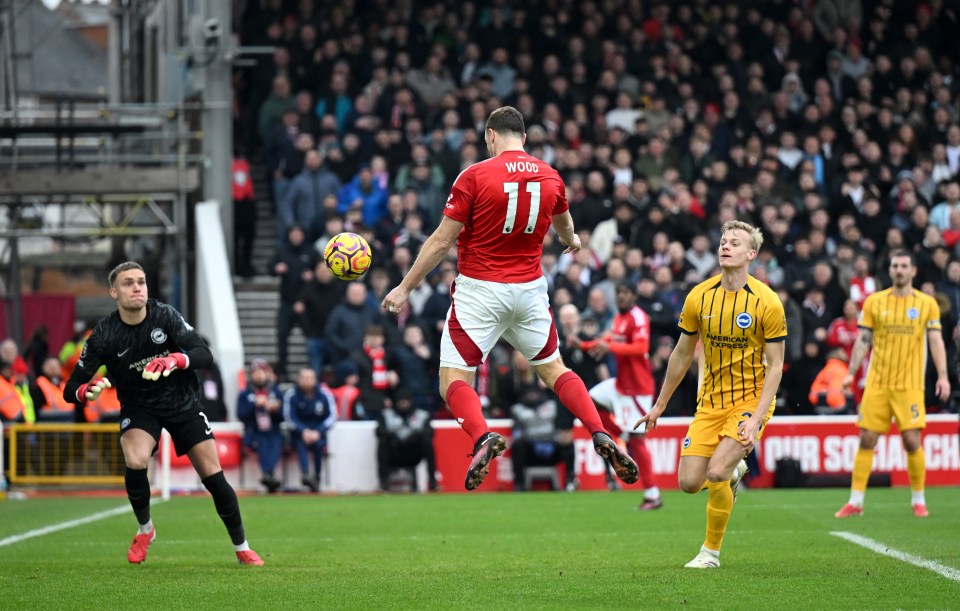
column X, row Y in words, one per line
column 627, row 409
column 482, row 311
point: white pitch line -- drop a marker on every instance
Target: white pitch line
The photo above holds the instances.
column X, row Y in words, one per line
column 885, row 550
column 46, row 530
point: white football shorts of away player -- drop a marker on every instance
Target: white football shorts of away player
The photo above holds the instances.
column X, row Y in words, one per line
column 626, row 409
column 482, row 311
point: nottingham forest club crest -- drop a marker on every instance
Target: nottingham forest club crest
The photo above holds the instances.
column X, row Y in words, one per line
column 158, row 336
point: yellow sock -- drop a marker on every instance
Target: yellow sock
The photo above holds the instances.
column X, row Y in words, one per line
column 719, row 505
column 917, row 469
column 862, row 465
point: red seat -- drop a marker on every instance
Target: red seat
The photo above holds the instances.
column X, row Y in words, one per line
column 228, row 449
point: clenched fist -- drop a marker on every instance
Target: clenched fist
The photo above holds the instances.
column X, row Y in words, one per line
column 91, row 390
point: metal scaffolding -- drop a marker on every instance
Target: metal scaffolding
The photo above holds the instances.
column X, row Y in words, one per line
column 127, row 162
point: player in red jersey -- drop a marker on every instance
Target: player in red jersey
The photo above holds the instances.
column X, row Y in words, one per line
column 629, row 395
column 498, row 213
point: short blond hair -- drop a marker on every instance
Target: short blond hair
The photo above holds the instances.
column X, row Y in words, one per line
column 756, row 237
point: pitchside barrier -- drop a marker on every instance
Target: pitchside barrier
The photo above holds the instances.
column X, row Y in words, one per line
column 825, row 446
column 48, row 453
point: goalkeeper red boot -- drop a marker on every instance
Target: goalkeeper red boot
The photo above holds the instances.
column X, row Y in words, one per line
column 141, row 543
column 249, row 558
column 849, row 510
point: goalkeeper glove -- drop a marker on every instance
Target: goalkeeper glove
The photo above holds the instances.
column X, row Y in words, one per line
column 91, row 390
column 164, row 365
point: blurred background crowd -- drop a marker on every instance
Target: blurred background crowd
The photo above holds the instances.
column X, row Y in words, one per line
column 833, row 125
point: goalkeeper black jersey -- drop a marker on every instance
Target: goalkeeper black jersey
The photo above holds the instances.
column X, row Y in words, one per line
column 126, row 349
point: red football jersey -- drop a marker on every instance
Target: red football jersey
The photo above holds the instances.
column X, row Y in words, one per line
column 506, row 205
column 633, row 370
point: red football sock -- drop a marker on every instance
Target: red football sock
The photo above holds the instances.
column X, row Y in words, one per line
column 606, row 419
column 637, row 448
column 464, row 404
column 573, row 394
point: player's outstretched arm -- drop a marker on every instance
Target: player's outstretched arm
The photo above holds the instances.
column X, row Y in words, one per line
column 433, row 250
column 677, row 367
column 563, row 225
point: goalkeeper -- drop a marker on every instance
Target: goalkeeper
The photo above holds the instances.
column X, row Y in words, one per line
column 148, row 349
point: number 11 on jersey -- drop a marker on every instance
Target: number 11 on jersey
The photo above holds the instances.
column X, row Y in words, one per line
column 512, row 189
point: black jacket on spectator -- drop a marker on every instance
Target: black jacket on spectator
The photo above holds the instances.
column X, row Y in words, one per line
column 319, row 300
column 298, row 259
column 346, row 325
column 281, row 152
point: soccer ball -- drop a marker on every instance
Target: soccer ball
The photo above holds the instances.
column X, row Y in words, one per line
column 347, row 255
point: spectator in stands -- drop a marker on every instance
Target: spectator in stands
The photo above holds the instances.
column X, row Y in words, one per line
column 259, row 407
column 349, row 320
column 294, row 265
column 536, row 438
column 364, row 194
column 10, row 352
column 404, row 439
column 377, row 365
column 316, row 301
column 13, row 408
column 310, row 409
column 278, row 104
column 244, row 214
column 824, row 278
column 211, row 390
column 418, row 364
column 47, row 393
column 599, row 308
column 847, row 126
column 303, row 203
column 701, row 257
column 73, row 347
column 940, row 214
column 283, row 155
column 37, row 349
column 434, row 311
column 827, row 394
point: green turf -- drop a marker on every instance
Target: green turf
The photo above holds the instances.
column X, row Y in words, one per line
column 463, row 551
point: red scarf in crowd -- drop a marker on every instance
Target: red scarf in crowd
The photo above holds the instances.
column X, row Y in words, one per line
column 376, row 355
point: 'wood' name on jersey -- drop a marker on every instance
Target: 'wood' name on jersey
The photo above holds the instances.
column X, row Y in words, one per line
column 506, row 204
column 734, row 328
column 899, row 326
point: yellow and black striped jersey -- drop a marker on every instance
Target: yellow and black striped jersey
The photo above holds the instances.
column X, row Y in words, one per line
column 899, row 326
column 734, row 328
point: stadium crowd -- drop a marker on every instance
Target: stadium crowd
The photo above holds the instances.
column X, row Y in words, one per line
column 831, row 124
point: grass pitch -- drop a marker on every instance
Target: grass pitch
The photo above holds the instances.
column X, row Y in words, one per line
column 586, row 550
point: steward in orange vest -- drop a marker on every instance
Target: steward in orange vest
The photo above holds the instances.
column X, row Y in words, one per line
column 47, row 393
column 827, row 394
column 11, row 406
column 105, row 408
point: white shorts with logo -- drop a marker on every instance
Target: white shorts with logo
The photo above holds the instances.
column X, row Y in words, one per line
column 482, row 311
column 627, row 409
